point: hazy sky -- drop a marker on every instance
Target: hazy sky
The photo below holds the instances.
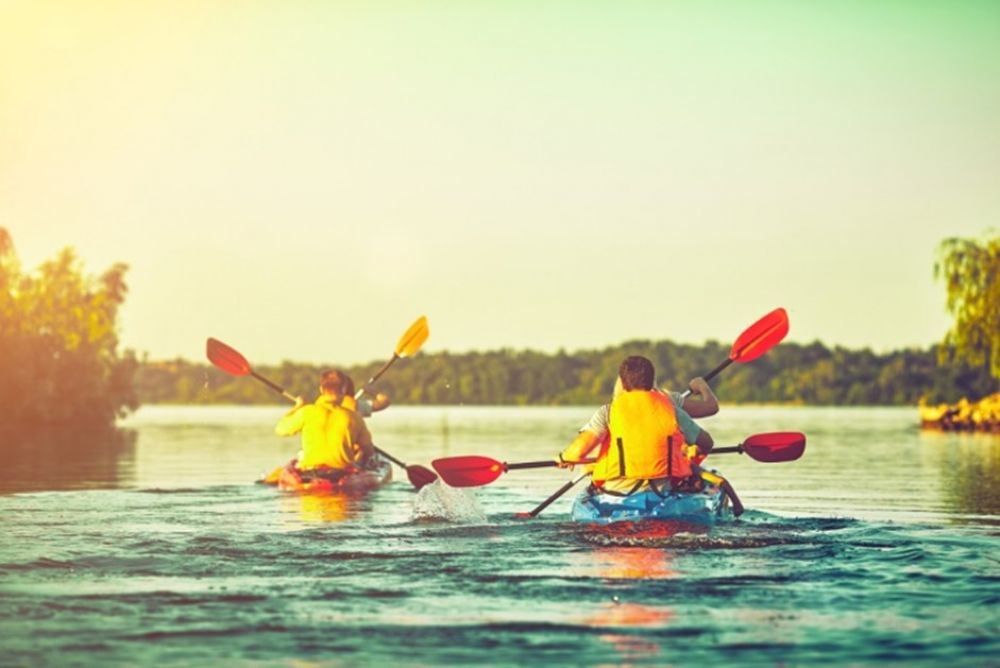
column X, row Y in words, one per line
column 303, row 179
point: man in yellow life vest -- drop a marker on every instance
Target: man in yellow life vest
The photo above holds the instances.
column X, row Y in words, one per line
column 644, row 434
column 334, row 436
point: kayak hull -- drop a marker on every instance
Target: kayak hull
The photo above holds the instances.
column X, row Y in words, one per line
column 702, row 508
column 291, row 479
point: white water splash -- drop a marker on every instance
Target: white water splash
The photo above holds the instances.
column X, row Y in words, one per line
column 438, row 501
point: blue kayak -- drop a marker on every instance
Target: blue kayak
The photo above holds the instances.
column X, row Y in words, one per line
column 704, row 507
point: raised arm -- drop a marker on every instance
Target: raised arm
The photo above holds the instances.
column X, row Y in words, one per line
column 701, row 402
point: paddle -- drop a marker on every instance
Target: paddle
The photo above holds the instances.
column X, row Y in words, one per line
column 545, row 504
column 776, row 446
column 409, row 344
column 755, row 340
column 476, row 470
column 232, row 362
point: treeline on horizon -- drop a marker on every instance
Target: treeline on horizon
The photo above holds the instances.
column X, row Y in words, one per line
column 790, row 373
column 60, row 362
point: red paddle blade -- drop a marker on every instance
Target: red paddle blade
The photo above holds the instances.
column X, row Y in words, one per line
column 760, row 336
column 778, row 446
column 226, row 358
column 470, row 471
column 420, row 475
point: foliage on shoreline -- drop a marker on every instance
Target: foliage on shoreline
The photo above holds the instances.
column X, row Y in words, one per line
column 970, row 269
column 59, row 361
column 982, row 415
column 791, row 373
column 971, row 272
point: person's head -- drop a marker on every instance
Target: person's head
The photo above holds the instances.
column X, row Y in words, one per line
column 636, row 373
column 336, row 383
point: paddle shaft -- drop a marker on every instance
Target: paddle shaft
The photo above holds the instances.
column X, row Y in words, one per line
column 530, row 465
column 378, row 374
column 709, row 376
column 274, row 386
column 734, row 500
column 389, row 457
column 562, row 490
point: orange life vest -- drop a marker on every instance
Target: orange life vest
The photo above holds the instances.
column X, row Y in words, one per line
column 645, row 440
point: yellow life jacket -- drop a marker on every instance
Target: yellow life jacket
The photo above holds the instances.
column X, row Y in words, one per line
column 645, row 440
column 333, row 435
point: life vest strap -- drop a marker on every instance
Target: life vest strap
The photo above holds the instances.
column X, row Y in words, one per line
column 596, row 489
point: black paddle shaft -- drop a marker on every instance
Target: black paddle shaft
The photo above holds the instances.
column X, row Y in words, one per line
column 717, row 370
column 274, row 386
column 390, row 457
column 562, row 490
column 530, row 465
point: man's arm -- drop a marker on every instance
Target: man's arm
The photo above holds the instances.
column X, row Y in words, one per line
column 582, row 445
column 292, row 421
column 701, row 402
column 591, row 435
column 704, row 442
column 693, row 434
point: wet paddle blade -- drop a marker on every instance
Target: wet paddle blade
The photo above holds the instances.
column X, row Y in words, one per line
column 226, row 358
column 469, row 471
column 760, row 336
column 420, row 475
column 778, row 446
column 413, row 338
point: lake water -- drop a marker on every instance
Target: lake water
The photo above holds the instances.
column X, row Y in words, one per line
column 154, row 547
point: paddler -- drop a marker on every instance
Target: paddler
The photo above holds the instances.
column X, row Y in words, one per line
column 334, row 435
column 646, row 437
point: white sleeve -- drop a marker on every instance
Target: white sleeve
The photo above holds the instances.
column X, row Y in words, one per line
column 365, row 407
column 598, row 423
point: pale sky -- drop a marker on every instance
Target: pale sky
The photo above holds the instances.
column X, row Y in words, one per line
column 303, row 179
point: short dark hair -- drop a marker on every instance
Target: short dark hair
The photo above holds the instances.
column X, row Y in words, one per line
column 336, row 381
column 637, row 373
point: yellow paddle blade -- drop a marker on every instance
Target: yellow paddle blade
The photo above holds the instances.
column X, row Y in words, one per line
column 272, row 477
column 413, row 338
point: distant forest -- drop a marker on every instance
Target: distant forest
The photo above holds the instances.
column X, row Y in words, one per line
column 790, row 373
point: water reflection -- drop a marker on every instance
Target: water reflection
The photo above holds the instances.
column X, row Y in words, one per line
column 970, row 467
column 47, row 458
column 320, row 508
column 628, row 563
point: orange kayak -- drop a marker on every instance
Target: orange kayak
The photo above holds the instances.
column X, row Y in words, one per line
column 290, row 479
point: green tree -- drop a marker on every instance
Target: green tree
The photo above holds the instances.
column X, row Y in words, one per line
column 971, row 271
column 59, row 362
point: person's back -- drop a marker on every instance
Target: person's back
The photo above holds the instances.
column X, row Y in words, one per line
column 643, row 437
column 645, row 440
column 333, row 434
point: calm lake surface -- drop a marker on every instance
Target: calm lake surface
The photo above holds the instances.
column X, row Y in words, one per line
column 879, row 545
